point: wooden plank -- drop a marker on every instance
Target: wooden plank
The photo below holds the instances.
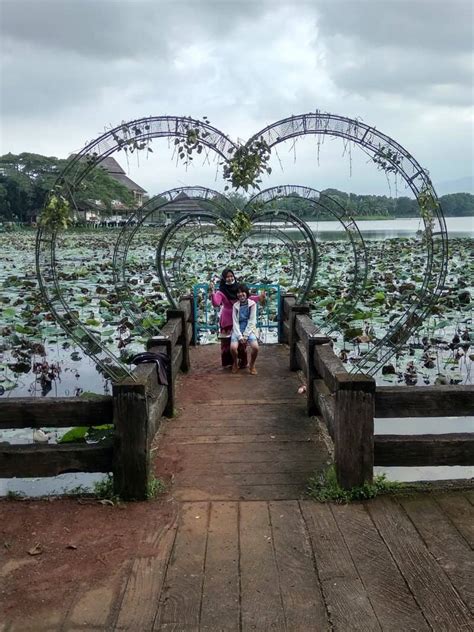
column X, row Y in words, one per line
column 345, row 595
column 177, row 360
column 191, row 478
column 198, row 427
column 270, row 468
column 186, row 306
column 305, row 328
column 444, row 542
column 326, row 403
column 391, row 600
column 301, row 361
column 435, row 449
column 293, row 336
column 243, row 493
column 172, row 330
column 252, row 453
column 460, row 512
column 157, row 403
column 288, row 300
column 427, row 401
column 354, row 437
column 328, row 365
column 180, row 602
column 220, row 594
column 58, row 412
column 145, row 583
column 261, row 600
column 301, row 594
column 285, row 331
column 51, row 460
column 265, row 438
column 432, row 590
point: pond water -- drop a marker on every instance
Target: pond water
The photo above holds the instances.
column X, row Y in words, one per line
column 392, row 228
column 29, row 337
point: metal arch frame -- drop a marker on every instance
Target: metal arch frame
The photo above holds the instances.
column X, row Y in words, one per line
column 157, row 203
column 303, row 228
column 403, row 163
column 76, row 170
column 144, row 129
column 360, row 258
column 373, row 142
column 213, row 219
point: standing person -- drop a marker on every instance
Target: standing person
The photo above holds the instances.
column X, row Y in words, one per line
column 224, row 298
column 244, row 328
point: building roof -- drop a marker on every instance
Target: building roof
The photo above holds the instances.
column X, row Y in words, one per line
column 183, row 204
column 117, row 173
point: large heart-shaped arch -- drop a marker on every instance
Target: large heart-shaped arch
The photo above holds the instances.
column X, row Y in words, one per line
column 383, row 150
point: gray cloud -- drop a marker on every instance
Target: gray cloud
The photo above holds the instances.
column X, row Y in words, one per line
column 436, row 25
column 421, row 50
column 71, row 67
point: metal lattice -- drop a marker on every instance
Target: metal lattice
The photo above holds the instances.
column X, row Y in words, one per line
column 136, row 134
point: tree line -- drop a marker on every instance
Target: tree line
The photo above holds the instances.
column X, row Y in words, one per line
column 27, row 178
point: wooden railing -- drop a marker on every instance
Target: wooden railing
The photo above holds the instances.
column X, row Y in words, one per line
column 349, row 402
column 135, row 410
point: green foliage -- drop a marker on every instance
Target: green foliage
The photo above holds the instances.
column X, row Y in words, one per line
column 191, row 141
column 104, row 489
column 81, row 434
column 387, row 159
column 235, row 229
column 246, row 164
column 325, row 488
column 155, row 487
column 56, row 215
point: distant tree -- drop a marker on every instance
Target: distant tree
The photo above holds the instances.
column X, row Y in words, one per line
column 457, row 204
column 28, row 178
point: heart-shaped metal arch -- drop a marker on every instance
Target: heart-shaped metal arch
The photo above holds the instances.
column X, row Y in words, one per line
column 323, row 202
column 192, row 232
column 379, row 146
column 69, row 181
column 393, row 156
column 208, row 199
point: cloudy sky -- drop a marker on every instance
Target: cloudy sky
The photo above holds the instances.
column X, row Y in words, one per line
column 71, row 68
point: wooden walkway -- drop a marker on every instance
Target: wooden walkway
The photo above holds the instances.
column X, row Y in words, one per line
column 240, row 437
column 243, row 550
column 392, row 564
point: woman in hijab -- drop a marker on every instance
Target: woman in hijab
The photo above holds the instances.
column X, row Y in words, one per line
column 224, row 298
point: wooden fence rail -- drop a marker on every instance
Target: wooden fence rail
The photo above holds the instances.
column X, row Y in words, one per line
column 135, row 410
column 349, row 402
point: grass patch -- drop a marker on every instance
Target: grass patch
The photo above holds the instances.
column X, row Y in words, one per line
column 325, row 488
column 155, row 487
column 104, row 490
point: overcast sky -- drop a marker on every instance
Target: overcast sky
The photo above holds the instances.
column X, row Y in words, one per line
column 70, row 68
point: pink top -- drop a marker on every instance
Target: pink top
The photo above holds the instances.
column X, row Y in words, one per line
column 219, row 299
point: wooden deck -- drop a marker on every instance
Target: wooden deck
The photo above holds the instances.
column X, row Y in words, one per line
column 391, row 564
column 240, row 437
column 244, row 550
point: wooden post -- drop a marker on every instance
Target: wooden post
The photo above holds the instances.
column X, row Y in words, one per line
column 286, row 301
column 354, row 429
column 187, row 304
column 131, row 456
column 183, row 339
column 162, row 344
column 293, row 337
column 313, row 341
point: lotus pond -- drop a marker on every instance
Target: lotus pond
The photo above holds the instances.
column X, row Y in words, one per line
column 38, row 360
